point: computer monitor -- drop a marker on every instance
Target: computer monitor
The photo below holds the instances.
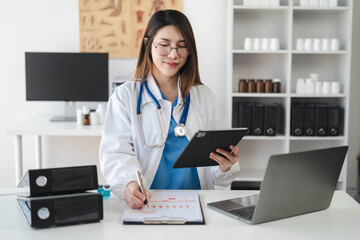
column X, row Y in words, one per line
column 67, row 77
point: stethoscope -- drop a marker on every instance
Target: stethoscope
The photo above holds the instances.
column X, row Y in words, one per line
column 180, row 129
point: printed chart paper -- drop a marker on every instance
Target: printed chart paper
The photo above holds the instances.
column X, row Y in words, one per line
column 167, row 207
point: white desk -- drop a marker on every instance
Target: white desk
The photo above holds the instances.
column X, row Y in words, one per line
column 340, row 221
column 41, row 126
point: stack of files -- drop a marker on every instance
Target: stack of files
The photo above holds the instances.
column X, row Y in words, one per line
column 167, row 207
column 315, row 119
column 57, row 196
column 41, row 212
column 260, row 119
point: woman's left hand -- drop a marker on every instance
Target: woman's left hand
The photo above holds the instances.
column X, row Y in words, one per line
column 228, row 159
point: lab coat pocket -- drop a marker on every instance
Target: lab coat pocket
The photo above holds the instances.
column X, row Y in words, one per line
column 152, row 125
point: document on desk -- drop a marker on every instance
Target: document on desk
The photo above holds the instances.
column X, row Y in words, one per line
column 167, row 207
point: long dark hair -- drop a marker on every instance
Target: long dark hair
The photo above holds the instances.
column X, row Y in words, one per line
column 189, row 73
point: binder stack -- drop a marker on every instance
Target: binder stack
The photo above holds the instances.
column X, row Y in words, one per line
column 260, row 119
column 315, row 119
column 57, row 196
column 310, row 119
column 297, row 119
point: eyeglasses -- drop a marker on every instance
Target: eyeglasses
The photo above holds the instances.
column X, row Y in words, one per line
column 164, row 49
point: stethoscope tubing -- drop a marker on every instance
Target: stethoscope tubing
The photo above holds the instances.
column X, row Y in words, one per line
column 180, row 125
column 186, row 107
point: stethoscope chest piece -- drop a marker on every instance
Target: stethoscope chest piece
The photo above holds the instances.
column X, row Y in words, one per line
column 180, row 130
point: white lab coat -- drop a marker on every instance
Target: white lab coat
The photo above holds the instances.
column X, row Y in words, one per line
column 122, row 152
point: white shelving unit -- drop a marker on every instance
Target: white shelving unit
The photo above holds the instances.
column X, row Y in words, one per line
column 287, row 22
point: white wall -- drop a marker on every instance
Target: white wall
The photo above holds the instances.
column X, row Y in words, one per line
column 354, row 124
column 53, row 25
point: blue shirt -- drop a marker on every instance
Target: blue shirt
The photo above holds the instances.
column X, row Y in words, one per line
column 166, row 176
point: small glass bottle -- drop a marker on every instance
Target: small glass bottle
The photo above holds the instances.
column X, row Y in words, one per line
column 100, row 189
column 300, row 86
column 251, row 86
column 268, row 86
column 310, row 86
column 79, row 117
column 318, row 87
column 101, row 111
column 243, row 85
column 326, row 88
column 260, row 86
column 86, row 115
column 276, row 85
column 335, row 87
column 106, row 192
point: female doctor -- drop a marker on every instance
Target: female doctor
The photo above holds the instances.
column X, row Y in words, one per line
column 150, row 120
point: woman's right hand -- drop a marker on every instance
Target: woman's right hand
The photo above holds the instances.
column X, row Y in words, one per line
column 133, row 196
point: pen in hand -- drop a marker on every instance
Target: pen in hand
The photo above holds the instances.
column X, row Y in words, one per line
column 141, row 185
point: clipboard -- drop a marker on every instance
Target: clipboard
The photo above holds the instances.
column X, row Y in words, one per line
column 197, row 151
column 167, row 208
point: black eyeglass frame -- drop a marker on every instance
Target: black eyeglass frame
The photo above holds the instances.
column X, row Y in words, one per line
column 171, row 48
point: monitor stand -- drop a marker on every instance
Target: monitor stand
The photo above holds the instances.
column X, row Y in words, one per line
column 69, row 113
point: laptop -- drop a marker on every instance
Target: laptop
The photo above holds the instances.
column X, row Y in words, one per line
column 294, row 184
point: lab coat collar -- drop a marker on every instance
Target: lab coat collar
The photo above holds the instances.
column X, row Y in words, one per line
column 155, row 90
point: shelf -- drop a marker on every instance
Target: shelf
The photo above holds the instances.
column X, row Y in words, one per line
column 252, row 175
column 295, row 95
column 239, row 51
column 283, row 95
column 304, row 138
column 286, row 8
column 278, row 137
column 286, row 23
column 265, row 95
column 242, row 51
column 334, row 9
column 319, row 52
column 259, row 8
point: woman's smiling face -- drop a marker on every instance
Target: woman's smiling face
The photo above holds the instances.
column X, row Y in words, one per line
column 168, row 63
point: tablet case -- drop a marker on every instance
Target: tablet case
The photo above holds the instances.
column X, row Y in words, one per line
column 196, row 153
column 52, row 181
column 60, row 210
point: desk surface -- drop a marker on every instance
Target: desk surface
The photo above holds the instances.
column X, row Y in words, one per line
column 340, row 221
column 41, row 125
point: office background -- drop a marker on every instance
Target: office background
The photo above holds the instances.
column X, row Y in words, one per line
column 53, row 26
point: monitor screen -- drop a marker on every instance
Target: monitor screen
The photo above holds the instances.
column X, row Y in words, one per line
column 67, row 76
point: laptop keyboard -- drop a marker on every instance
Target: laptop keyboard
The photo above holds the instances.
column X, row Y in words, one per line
column 246, row 212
